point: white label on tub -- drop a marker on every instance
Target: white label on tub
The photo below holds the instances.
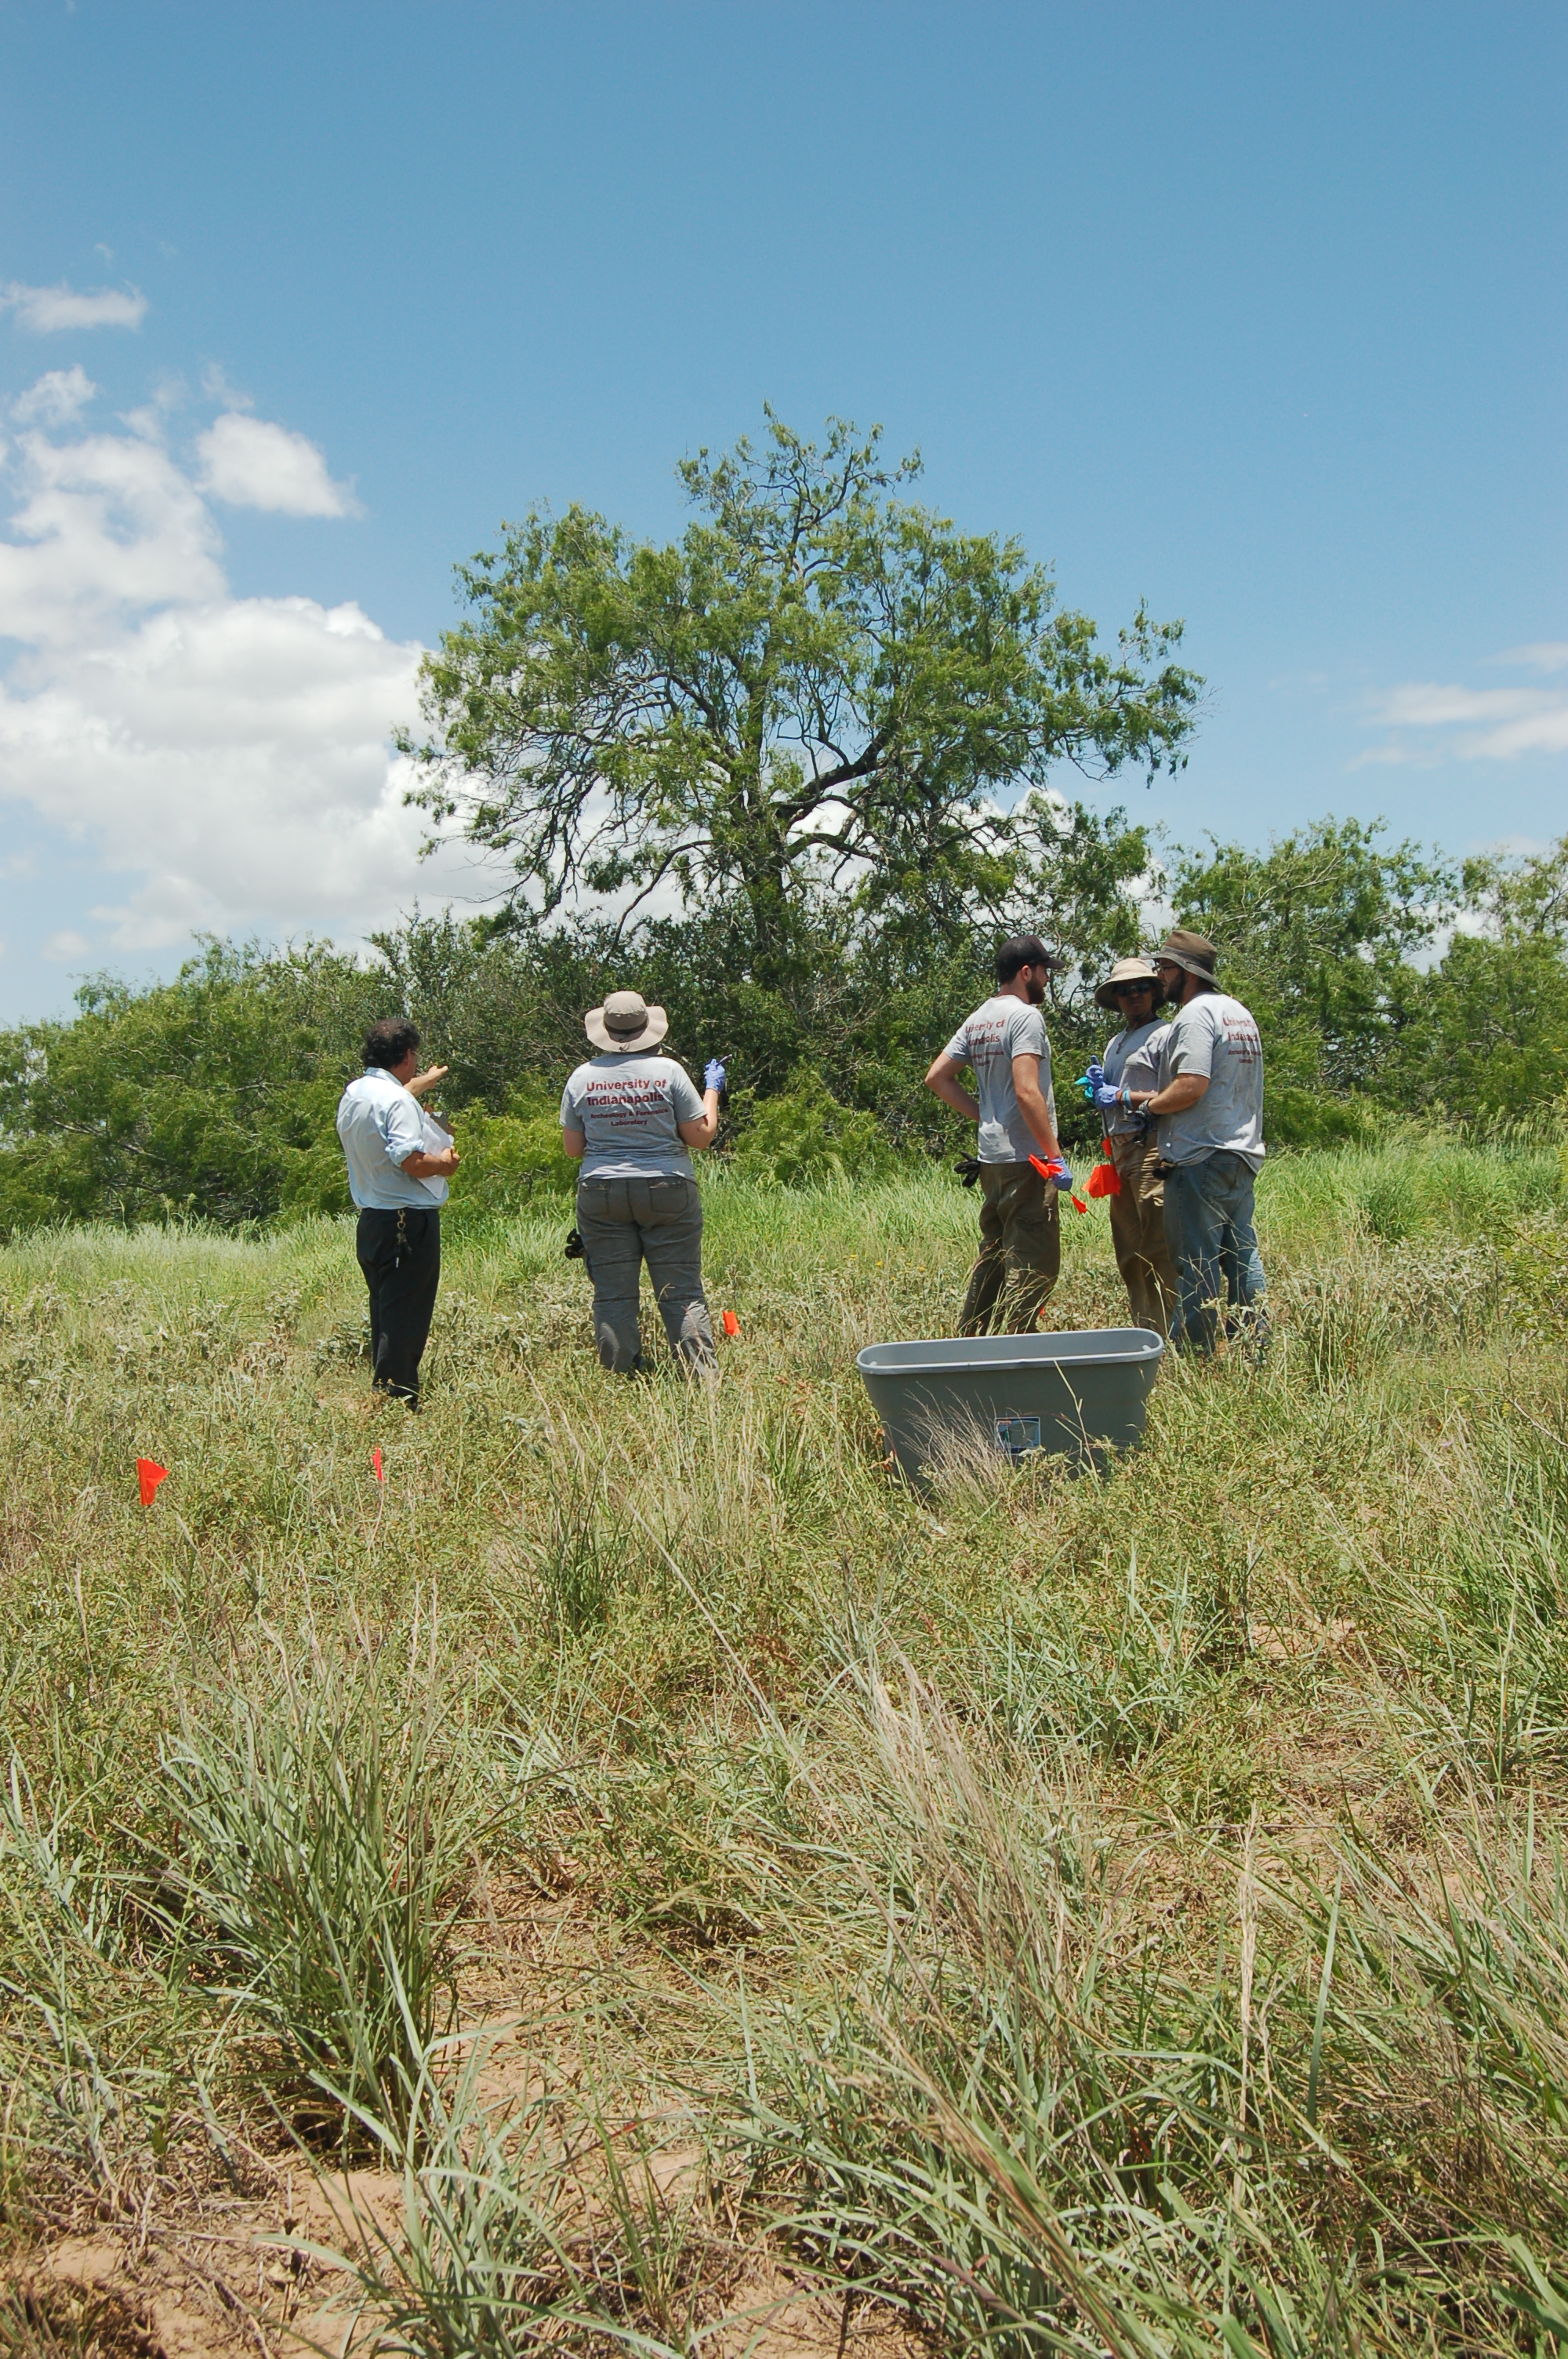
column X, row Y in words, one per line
column 1018, row 1435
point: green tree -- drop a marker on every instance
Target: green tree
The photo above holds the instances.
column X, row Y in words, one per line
column 1319, row 934
column 211, row 1097
column 821, row 685
column 1492, row 1039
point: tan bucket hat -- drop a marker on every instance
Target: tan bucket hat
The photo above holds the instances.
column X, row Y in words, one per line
column 625, row 1022
column 1129, row 970
column 1200, row 957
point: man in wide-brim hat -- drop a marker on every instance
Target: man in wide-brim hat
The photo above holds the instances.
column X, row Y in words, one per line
column 632, row 1117
column 1208, row 1109
column 1131, row 1061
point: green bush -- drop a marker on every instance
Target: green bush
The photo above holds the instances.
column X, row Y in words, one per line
column 509, row 1160
column 804, row 1138
column 1293, row 1116
column 210, row 1097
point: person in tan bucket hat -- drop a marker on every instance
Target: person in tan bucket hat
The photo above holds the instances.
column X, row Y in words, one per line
column 1131, row 1061
column 631, row 1118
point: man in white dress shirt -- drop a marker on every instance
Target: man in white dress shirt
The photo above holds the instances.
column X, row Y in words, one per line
column 399, row 1185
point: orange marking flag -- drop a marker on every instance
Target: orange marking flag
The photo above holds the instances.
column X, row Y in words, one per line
column 375, row 1464
column 1105, row 1180
column 149, row 1474
column 730, row 1323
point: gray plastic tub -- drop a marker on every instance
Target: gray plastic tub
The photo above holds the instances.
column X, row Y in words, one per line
column 1072, row 1394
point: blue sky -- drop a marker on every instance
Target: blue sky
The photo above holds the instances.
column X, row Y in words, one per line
column 1252, row 311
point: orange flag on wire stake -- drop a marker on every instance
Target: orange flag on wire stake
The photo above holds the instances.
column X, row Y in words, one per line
column 1105, row 1180
column 375, row 1464
column 149, row 1474
column 730, row 1323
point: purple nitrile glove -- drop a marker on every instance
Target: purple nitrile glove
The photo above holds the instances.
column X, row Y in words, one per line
column 714, row 1076
column 1108, row 1095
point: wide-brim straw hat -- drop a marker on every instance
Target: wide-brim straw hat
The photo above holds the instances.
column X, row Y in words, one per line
column 1127, row 969
column 625, row 1022
column 1193, row 952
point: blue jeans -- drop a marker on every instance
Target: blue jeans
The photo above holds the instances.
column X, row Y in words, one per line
column 1208, row 1227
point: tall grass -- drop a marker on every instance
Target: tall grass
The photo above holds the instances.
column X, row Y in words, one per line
column 322, row 1855
column 1116, row 1912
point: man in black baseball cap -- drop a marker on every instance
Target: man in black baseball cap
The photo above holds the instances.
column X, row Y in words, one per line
column 1023, row 1168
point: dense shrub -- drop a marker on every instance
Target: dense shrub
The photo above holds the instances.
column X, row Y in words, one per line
column 212, row 1097
column 804, row 1138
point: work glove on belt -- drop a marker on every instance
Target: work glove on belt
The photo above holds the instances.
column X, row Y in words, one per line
column 968, row 1167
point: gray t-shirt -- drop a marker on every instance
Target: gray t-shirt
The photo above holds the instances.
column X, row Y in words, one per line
column 1213, row 1034
column 1005, row 1027
column 1133, row 1060
column 627, row 1107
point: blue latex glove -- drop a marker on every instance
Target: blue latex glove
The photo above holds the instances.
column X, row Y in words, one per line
column 714, row 1076
column 1057, row 1172
column 1091, row 1081
column 1110, row 1095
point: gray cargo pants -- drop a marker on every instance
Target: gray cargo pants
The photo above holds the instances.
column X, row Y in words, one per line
column 624, row 1222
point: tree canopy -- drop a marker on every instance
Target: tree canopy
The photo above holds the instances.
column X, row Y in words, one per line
column 1323, row 929
column 822, row 684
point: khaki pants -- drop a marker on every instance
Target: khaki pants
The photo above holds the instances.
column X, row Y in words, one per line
column 623, row 1224
column 1021, row 1252
column 1138, row 1236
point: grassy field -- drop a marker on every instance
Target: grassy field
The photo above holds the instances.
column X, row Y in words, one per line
column 638, row 1876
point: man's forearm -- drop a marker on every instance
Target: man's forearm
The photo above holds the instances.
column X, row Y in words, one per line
column 1032, row 1106
column 1176, row 1095
column 955, row 1094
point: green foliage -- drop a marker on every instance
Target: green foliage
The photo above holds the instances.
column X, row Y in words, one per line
column 208, row 1096
column 511, row 1160
column 804, row 1138
column 212, row 1097
column 821, row 684
column 1319, row 933
column 1493, row 1041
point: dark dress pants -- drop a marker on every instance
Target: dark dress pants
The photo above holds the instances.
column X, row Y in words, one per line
column 400, row 1253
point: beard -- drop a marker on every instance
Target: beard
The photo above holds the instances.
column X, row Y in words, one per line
column 1036, row 991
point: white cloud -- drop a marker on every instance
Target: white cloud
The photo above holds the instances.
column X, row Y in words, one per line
column 107, row 527
column 63, row 948
column 1433, row 721
column 253, row 464
column 227, row 759
column 47, row 310
column 216, row 386
column 1545, row 655
column 57, row 397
